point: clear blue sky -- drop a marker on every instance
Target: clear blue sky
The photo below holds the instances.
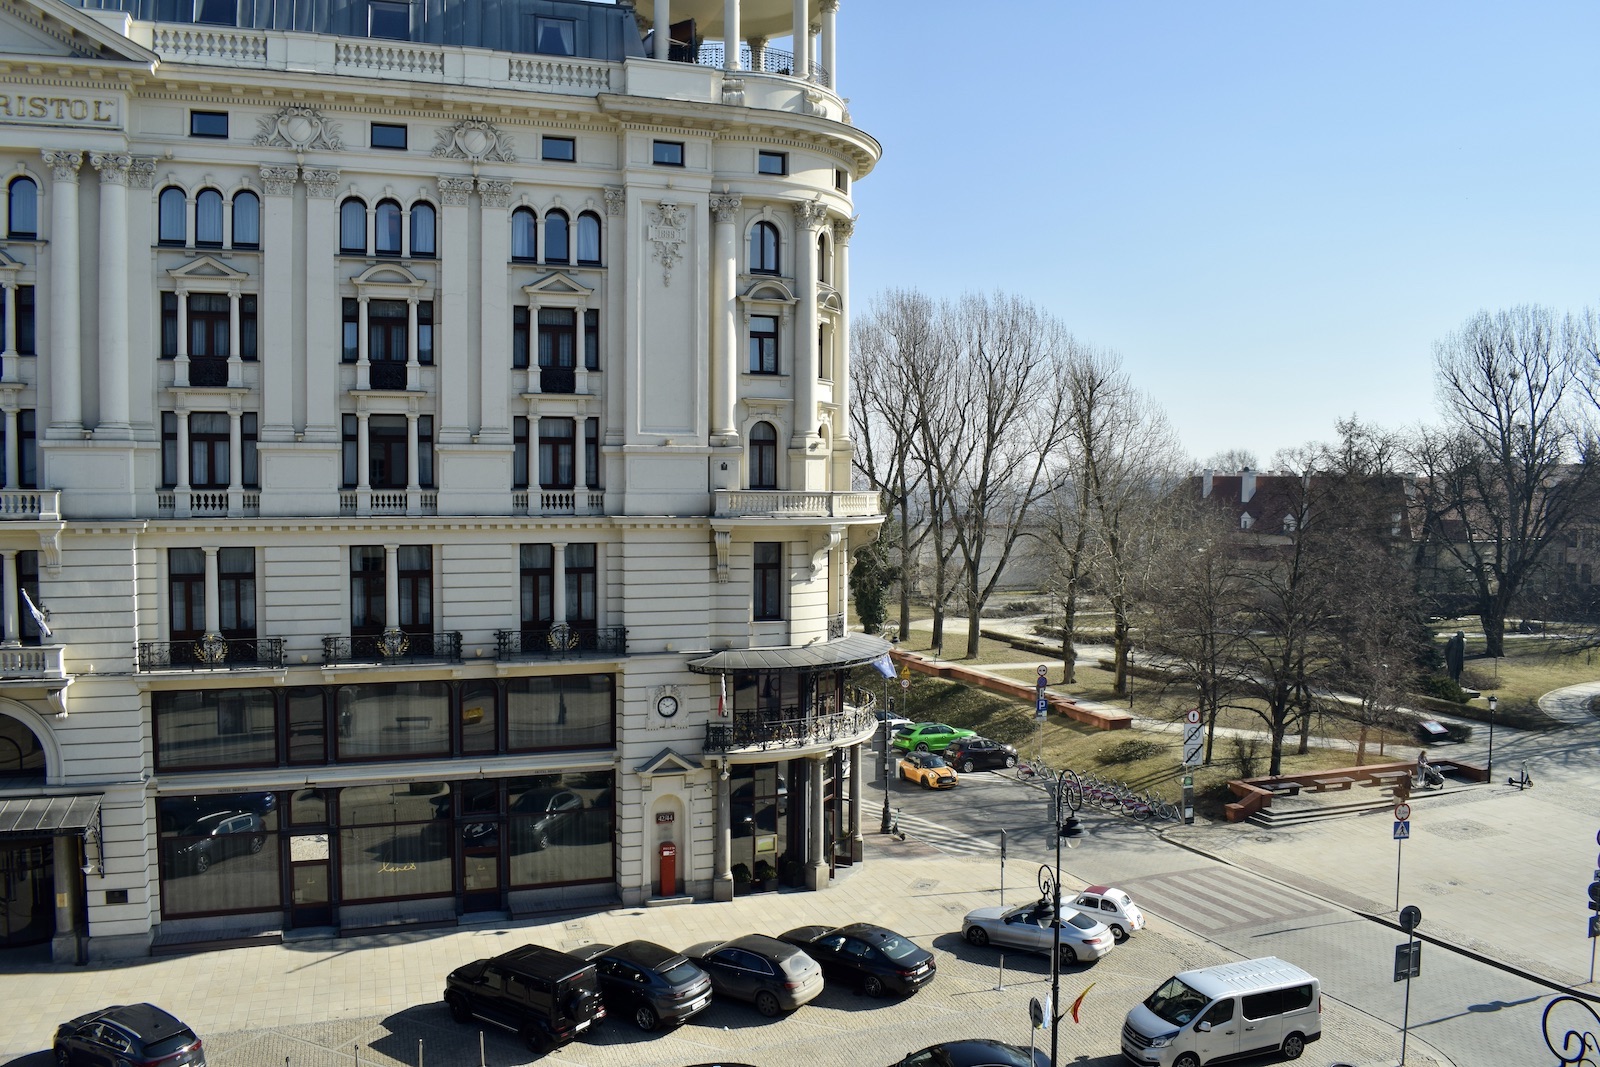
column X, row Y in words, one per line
column 1271, row 210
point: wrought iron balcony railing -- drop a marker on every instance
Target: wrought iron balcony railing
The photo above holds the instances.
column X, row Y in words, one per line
column 393, row 646
column 763, row 61
column 383, row 374
column 561, row 642
column 752, row 730
column 213, row 655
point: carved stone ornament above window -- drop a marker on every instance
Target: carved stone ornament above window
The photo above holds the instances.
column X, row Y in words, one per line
column 476, row 140
column 667, row 231
column 298, row 127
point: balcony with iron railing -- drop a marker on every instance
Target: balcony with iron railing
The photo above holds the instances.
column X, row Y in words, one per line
column 790, row 729
column 392, row 646
column 800, row 504
column 751, row 60
column 561, row 642
column 214, row 654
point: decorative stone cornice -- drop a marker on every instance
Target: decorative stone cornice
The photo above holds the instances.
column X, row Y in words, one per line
column 63, row 165
column 496, row 192
column 844, row 229
column 829, row 7
column 113, row 167
column 477, row 140
column 616, row 200
column 142, row 173
column 279, row 181
column 810, row 214
column 321, row 184
column 726, row 207
column 454, row 192
column 667, row 231
column 298, row 127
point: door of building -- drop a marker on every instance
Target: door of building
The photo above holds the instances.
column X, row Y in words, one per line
column 311, row 901
column 27, row 891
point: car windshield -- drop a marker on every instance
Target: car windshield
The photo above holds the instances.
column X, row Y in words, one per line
column 1175, row 1002
column 898, row 948
column 934, row 762
column 681, row 973
column 166, row 1046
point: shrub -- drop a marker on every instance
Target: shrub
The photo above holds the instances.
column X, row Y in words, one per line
column 1441, row 688
column 1129, row 750
column 1247, row 755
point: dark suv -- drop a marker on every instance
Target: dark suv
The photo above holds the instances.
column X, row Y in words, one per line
column 140, row 1035
column 546, row 996
column 653, row 984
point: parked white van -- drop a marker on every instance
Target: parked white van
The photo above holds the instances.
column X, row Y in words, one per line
column 1225, row 1012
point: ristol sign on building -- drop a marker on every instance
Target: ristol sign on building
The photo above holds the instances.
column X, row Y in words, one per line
column 101, row 112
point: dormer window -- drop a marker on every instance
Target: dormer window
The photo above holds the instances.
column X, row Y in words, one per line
column 555, row 37
column 216, row 12
column 389, row 19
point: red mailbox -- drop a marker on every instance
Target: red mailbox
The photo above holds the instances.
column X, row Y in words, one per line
column 669, row 869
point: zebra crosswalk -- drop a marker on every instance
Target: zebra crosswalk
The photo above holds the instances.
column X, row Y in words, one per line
column 946, row 838
column 1218, row 899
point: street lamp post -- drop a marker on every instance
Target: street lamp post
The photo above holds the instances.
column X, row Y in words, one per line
column 1493, row 703
column 884, row 827
column 1068, row 799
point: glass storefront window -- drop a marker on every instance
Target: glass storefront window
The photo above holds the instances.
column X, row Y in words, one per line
column 568, row 711
column 479, row 714
column 308, row 725
column 394, row 720
column 394, row 841
column 560, row 828
column 215, row 728
column 219, row 853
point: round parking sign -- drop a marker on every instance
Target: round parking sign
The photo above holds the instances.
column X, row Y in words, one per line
column 1402, row 812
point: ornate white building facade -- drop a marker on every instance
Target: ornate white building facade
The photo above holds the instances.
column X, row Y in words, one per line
column 426, row 462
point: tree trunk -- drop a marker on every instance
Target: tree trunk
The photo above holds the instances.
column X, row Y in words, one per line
column 1279, row 728
column 1494, row 631
column 1119, row 645
column 1361, row 746
column 1069, row 650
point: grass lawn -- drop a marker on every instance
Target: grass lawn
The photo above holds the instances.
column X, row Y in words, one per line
column 1532, row 666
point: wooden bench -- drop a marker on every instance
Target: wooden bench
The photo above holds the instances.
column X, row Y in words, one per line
column 1382, row 778
column 1323, row 784
column 1282, row 789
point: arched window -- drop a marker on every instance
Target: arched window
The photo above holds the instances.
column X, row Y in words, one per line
column 763, row 456
column 174, row 216
column 764, row 249
column 822, row 259
column 556, row 248
column 353, row 227
column 422, row 230
column 246, row 220
column 386, row 229
column 589, row 238
column 208, row 218
column 524, row 235
column 24, row 209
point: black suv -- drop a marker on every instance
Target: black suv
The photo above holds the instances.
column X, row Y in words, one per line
column 655, row 985
column 546, row 996
column 139, row 1035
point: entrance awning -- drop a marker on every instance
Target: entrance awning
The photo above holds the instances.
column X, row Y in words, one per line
column 45, row 816
column 851, row 650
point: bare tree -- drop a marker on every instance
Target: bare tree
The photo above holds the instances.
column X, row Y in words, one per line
column 1511, row 469
column 1065, row 529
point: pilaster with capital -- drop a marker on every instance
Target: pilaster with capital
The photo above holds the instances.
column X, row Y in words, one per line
column 278, row 257
column 614, row 314
column 321, row 184
column 494, row 314
column 496, row 193
column 279, row 181
column 324, row 313
column 66, row 372
column 726, row 211
column 114, row 272
column 455, row 192
column 843, row 230
column 809, row 216
column 142, row 173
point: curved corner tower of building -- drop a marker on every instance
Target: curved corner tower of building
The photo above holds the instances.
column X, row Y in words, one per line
column 426, row 462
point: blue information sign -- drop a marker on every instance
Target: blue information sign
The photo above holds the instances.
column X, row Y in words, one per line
column 1402, row 829
column 1041, row 709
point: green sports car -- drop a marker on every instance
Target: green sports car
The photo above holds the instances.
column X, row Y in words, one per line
column 928, row 737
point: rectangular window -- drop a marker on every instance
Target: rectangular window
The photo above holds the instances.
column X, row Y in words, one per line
column 186, row 593
column 202, row 729
column 208, row 450
column 25, row 327
column 667, row 154
column 249, row 455
column 564, row 711
column 366, row 591
column 558, row 336
column 414, row 564
column 308, row 727
column 386, row 452
column 772, row 162
column 519, row 452
column 216, row 12
column 236, row 592
column 581, row 581
column 763, row 344
column 388, row 323
column 247, row 328
column 538, row 586
column 209, row 327
column 27, row 579
column 591, row 452
column 841, row 180
column 591, row 340
column 559, row 149
column 555, row 37
column 349, row 469
column 208, row 124
column 388, row 135
column 519, row 337
column 425, row 451
column 768, row 584
column 389, row 19
column 169, row 325
column 27, row 451
column 394, row 720
column 351, row 350
column 169, row 449
column 425, row 332
column 556, row 458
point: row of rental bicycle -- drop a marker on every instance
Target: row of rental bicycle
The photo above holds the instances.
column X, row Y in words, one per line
column 1107, row 794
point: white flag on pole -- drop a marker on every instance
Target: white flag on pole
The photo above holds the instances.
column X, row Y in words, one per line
column 38, row 616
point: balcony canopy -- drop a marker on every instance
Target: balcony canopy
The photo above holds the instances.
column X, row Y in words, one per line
column 851, row 650
column 47, row 816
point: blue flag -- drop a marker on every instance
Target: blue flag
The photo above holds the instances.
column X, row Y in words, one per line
column 885, row 665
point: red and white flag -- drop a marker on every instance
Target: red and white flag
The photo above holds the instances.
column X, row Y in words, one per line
column 722, row 696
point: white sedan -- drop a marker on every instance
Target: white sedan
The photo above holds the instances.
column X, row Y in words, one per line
column 1030, row 927
column 1111, row 906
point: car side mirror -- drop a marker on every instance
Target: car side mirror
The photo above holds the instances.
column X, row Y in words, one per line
column 1203, row 1027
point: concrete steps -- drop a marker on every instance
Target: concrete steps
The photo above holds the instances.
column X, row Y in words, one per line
column 1293, row 811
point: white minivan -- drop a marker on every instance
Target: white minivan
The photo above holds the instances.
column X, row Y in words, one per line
column 1225, row 1012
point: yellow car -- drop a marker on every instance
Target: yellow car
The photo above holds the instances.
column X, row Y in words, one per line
column 928, row 768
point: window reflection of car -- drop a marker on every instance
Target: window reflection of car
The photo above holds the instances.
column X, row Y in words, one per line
column 178, row 812
column 543, row 816
column 742, row 807
column 217, row 837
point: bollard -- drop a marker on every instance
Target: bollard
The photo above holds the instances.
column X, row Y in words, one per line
column 481, row 1061
column 357, row 1049
column 419, row 1052
column 1000, row 987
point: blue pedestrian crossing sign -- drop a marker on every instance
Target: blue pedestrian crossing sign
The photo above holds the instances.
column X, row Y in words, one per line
column 1402, row 829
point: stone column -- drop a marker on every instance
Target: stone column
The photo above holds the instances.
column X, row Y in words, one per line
column 180, row 364
column 323, row 315
column 363, row 477
column 8, row 586
column 816, row 857
column 808, row 216
column 802, row 39
column 830, row 41
column 494, row 382
column 412, row 366
column 235, row 340
column 730, row 34
column 558, row 592
column 616, row 311
column 114, row 348
column 391, row 588
column 857, row 797
column 213, row 609
column 275, row 349
column 13, row 449
column 236, row 458
column 724, row 320
column 66, row 371
column 454, row 308
column 8, row 357
column 843, row 229
column 663, row 28
column 363, row 356
column 412, row 485
column 722, row 847
column 181, row 490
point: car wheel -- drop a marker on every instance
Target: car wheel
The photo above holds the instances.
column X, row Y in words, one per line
column 966, row 766
column 929, row 783
column 1118, row 933
column 922, row 746
column 202, row 862
column 645, row 1018
column 1068, row 956
column 459, row 1011
column 872, row 986
column 63, row 1057
column 977, row 935
column 256, row 843
column 1293, row 1046
column 767, row 1003
column 1188, row 1059
column 1011, row 761
column 538, row 1041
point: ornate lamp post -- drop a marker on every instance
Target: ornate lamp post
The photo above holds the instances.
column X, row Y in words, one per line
column 1068, row 801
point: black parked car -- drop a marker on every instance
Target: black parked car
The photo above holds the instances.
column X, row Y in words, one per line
column 970, row 754
column 652, row 984
column 771, row 974
column 976, row 1053
column 871, row 958
column 139, row 1035
column 546, row 996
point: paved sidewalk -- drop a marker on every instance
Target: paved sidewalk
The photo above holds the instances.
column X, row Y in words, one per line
column 376, row 999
